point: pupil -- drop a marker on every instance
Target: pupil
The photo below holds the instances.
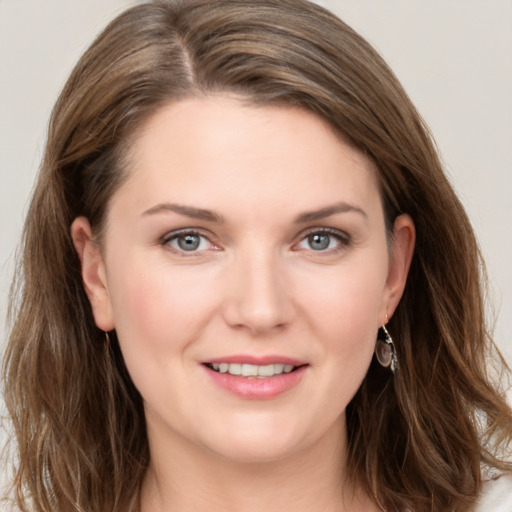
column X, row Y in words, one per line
column 189, row 242
column 319, row 242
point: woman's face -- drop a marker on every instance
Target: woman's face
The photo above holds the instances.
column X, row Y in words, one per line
column 246, row 239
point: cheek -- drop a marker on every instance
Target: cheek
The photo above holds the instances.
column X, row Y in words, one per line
column 349, row 298
column 153, row 302
column 158, row 315
column 342, row 310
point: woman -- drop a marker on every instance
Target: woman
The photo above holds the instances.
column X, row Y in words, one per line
column 238, row 205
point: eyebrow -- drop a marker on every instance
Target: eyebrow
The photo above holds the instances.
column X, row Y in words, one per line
column 187, row 211
column 210, row 216
column 328, row 211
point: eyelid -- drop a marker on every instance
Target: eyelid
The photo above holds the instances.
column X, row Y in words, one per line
column 172, row 235
column 343, row 237
column 183, row 231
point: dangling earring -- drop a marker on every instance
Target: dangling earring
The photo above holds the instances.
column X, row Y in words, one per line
column 385, row 352
column 107, row 340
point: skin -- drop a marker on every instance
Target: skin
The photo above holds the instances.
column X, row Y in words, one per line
column 256, row 285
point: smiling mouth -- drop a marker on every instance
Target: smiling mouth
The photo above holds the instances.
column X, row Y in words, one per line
column 252, row 370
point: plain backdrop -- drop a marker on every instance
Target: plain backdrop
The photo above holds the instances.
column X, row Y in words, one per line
column 454, row 58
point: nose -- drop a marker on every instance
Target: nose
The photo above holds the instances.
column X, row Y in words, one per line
column 258, row 295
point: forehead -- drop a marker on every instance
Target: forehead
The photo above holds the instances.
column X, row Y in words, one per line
column 217, row 147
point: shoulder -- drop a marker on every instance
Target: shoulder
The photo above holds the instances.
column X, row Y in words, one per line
column 496, row 495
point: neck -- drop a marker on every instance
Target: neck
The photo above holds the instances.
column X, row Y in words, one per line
column 185, row 477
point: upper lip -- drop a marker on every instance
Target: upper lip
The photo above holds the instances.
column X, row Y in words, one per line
column 256, row 360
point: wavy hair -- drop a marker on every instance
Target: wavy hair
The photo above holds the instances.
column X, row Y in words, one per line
column 417, row 439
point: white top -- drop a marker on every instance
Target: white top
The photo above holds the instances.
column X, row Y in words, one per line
column 496, row 495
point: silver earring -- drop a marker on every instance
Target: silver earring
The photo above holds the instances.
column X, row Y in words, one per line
column 385, row 352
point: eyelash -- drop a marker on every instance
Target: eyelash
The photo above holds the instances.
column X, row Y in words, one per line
column 343, row 239
column 176, row 235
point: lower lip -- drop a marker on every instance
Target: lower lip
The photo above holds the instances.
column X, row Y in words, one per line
column 253, row 388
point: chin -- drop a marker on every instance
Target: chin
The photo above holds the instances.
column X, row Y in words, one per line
column 254, row 439
column 259, row 450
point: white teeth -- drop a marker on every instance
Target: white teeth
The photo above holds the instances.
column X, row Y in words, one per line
column 249, row 370
column 267, row 371
column 235, row 369
column 278, row 368
column 252, row 370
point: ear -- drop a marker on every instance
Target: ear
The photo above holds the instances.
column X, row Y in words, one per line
column 404, row 236
column 93, row 273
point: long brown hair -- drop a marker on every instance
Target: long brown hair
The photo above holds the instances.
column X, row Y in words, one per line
column 417, row 439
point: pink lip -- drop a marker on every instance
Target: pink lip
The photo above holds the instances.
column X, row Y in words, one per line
column 257, row 388
column 256, row 360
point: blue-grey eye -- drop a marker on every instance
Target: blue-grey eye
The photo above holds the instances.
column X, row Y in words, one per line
column 319, row 241
column 188, row 242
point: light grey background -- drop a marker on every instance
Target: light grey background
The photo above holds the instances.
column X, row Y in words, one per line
column 454, row 57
